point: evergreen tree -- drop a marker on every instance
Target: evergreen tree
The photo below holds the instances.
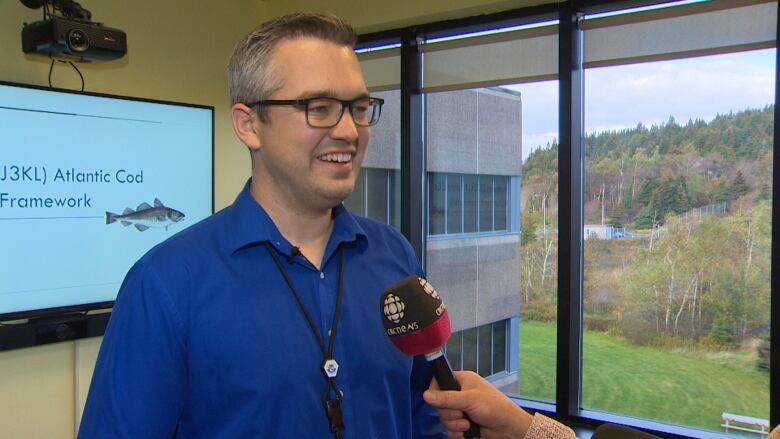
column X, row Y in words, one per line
column 762, row 362
column 624, row 208
column 765, row 193
column 723, row 192
column 724, row 331
column 648, row 192
column 739, row 187
column 647, row 218
column 680, row 201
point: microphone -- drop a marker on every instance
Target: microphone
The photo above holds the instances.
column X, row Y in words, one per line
column 417, row 323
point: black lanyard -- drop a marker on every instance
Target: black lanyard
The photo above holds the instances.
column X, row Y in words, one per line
column 329, row 364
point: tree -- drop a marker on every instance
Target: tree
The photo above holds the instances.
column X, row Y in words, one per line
column 765, row 193
column 724, row 331
column 762, row 362
column 723, row 192
column 647, row 218
column 673, row 197
column 669, row 288
column 624, row 209
column 738, row 186
column 648, row 192
column 530, row 225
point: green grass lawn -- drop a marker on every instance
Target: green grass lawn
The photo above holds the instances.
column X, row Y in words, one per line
column 646, row 382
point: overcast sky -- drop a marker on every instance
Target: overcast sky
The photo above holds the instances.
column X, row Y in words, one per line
column 620, row 97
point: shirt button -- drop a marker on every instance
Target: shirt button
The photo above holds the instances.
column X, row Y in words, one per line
column 322, row 275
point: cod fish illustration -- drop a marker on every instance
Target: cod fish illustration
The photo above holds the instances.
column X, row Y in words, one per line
column 146, row 216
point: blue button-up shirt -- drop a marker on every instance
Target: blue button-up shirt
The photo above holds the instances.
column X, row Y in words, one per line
column 207, row 341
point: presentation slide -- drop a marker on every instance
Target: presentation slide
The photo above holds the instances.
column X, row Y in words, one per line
column 88, row 184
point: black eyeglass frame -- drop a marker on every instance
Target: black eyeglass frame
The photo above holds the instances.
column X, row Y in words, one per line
column 344, row 104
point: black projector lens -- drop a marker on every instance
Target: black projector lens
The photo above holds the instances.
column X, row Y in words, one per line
column 78, row 41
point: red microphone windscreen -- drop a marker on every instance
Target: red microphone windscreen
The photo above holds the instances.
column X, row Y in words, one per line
column 415, row 318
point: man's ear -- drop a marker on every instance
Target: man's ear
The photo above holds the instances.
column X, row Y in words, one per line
column 246, row 125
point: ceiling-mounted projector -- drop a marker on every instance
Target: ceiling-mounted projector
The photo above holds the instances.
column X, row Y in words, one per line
column 60, row 36
column 72, row 35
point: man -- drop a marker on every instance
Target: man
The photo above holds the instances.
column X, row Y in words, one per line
column 497, row 416
column 262, row 321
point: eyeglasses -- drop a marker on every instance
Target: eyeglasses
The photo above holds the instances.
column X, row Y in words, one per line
column 327, row 112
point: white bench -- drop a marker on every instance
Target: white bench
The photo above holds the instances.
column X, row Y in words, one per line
column 745, row 423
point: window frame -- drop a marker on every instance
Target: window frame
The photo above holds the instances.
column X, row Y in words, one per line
column 508, row 200
column 570, row 282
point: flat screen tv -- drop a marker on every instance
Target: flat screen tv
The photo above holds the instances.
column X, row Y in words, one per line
column 88, row 184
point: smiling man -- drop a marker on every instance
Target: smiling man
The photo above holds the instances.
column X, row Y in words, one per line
column 261, row 321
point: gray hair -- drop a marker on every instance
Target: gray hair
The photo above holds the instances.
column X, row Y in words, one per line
column 251, row 75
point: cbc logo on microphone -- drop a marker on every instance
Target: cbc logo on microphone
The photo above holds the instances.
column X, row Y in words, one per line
column 428, row 288
column 394, row 308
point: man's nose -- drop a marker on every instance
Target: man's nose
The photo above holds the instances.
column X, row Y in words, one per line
column 346, row 128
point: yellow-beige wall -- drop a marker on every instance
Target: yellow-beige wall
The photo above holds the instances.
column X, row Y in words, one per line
column 376, row 15
column 177, row 51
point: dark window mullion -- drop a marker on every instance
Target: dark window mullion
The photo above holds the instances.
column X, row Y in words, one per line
column 774, row 313
column 412, row 147
column 569, row 333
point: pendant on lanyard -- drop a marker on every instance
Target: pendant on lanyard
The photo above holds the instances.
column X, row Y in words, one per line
column 329, row 366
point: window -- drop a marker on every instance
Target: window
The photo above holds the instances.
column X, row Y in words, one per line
column 454, row 203
column 488, row 209
column 686, row 285
column 487, row 108
column 470, row 202
column 375, row 195
column 377, row 188
column 437, row 212
column 676, row 268
column 689, row 281
column 482, row 349
column 474, row 161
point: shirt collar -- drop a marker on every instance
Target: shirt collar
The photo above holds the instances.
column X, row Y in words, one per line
column 249, row 224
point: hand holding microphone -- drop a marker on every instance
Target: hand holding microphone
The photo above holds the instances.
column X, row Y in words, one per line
column 417, row 323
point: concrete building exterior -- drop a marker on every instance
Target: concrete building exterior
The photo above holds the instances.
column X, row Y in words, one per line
column 474, row 163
